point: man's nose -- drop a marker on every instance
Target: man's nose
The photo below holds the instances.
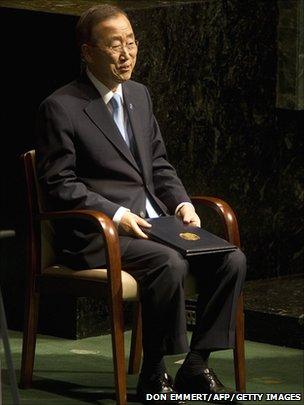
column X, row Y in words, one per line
column 125, row 53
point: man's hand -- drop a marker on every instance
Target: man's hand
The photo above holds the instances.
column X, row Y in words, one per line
column 130, row 225
column 188, row 215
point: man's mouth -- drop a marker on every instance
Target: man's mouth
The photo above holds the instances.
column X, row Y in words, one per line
column 125, row 68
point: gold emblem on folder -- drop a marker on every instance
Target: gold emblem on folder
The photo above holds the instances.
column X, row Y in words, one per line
column 189, row 236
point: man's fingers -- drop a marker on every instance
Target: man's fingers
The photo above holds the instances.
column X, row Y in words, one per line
column 186, row 219
column 192, row 221
column 195, row 223
column 137, row 231
column 130, row 223
column 140, row 221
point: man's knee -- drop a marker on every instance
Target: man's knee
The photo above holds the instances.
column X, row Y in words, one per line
column 176, row 266
column 237, row 263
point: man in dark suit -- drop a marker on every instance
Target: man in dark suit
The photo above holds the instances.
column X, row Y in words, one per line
column 99, row 147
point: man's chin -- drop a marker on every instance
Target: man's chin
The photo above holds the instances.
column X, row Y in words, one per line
column 123, row 77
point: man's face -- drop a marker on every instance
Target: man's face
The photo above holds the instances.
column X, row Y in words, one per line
column 110, row 62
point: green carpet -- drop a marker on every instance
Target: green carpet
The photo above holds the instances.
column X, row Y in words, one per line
column 80, row 371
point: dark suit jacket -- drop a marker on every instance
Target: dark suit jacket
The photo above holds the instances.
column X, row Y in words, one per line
column 84, row 163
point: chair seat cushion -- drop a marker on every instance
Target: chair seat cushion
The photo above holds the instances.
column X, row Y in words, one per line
column 129, row 284
column 130, row 291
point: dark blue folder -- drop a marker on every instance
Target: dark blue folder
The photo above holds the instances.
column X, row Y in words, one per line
column 188, row 240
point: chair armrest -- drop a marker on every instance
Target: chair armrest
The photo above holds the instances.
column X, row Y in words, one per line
column 107, row 228
column 226, row 214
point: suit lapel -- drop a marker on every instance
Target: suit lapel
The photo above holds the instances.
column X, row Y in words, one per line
column 100, row 115
column 136, row 126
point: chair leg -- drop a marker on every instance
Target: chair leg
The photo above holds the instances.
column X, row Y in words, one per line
column 8, row 354
column 239, row 351
column 136, row 340
column 29, row 339
column 117, row 331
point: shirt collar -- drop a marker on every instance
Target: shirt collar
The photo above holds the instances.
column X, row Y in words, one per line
column 103, row 90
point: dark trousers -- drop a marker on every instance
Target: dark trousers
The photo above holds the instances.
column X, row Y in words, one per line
column 161, row 272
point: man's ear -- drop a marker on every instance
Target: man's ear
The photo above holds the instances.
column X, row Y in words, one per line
column 86, row 53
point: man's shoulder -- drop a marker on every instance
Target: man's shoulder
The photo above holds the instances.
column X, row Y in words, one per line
column 138, row 92
column 69, row 88
column 64, row 93
column 78, row 92
column 132, row 85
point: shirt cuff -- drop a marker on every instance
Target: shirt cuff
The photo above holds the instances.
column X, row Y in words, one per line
column 119, row 214
column 180, row 206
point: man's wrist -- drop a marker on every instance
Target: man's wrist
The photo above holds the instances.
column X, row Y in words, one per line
column 181, row 205
column 119, row 214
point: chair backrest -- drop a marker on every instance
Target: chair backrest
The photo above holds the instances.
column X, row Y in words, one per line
column 40, row 236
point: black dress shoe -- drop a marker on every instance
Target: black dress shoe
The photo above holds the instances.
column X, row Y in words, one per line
column 204, row 383
column 157, row 390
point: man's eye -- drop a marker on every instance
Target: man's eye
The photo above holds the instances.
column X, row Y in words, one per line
column 115, row 46
column 130, row 43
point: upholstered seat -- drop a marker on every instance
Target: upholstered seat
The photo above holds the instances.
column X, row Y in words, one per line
column 129, row 284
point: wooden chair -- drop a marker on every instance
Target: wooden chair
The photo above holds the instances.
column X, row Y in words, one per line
column 45, row 276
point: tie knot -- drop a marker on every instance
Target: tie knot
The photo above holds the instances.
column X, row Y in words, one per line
column 115, row 101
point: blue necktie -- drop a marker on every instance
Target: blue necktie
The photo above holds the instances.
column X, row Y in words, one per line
column 118, row 115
